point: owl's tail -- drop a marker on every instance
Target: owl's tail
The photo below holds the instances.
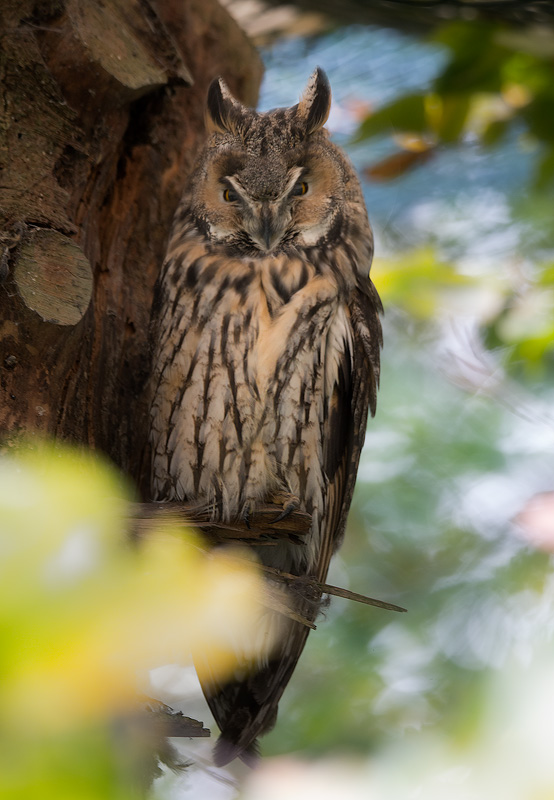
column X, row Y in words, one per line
column 226, row 751
column 245, row 706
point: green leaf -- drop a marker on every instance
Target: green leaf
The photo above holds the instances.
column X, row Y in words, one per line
column 405, row 114
column 495, row 132
column 546, row 277
column 531, row 72
column 455, row 108
column 462, row 38
column 476, row 62
column 538, row 115
column 544, row 176
column 418, row 282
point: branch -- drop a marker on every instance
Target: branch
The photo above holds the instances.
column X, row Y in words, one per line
column 327, row 588
column 261, row 529
column 171, row 723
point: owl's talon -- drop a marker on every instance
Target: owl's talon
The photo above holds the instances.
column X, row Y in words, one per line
column 291, row 506
column 247, row 513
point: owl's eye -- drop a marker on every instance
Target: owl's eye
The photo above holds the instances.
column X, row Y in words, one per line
column 300, row 188
column 230, row 196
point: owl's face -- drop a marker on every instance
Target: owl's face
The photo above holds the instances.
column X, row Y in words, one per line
column 271, row 181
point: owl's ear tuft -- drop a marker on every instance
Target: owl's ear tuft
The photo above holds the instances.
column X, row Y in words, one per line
column 315, row 103
column 223, row 112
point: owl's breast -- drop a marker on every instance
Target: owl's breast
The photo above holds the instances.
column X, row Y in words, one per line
column 241, row 384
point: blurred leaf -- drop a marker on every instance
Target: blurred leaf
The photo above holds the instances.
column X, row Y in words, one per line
column 546, row 276
column 486, row 87
column 529, row 71
column 538, row 115
column 534, row 40
column 397, row 164
column 82, row 612
column 414, row 143
column 461, row 37
column 516, row 95
column 417, row 281
column 449, row 115
column 525, row 324
column 495, row 131
column 405, row 114
column 476, row 60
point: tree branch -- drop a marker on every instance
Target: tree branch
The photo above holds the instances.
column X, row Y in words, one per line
column 261, row 529
column 327, row 588
column 169, row 722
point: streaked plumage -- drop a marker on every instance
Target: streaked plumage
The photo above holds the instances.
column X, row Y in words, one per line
column 267, row 352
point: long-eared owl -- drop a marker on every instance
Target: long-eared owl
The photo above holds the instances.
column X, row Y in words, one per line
column 267, row 354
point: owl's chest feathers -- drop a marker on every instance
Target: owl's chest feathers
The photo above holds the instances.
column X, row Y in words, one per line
column 275, row 313
column 251, row 380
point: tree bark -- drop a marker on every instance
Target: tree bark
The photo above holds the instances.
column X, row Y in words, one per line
column 100, row 118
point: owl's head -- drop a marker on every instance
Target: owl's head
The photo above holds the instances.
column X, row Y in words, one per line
column 270, row 181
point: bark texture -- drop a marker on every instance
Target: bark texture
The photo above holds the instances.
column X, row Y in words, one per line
column 101, row 115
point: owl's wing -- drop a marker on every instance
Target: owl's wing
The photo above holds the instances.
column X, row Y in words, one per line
column 246, row 708
column 344, row 429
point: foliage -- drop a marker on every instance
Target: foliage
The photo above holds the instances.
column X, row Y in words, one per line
column 82, row 614
column 496, row 82
column 515, row 311
column 419, row 282
column 525, row 324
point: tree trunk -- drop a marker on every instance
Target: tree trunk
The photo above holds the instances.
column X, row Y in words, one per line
column 101, row 116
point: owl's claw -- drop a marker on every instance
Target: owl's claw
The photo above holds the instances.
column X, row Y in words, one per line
column 247, row 513
column 290, row 503
column 283, row 515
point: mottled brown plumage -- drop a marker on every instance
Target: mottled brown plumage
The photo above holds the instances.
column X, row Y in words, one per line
column 267, row 354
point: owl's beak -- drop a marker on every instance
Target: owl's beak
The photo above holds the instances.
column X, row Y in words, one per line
column 267, row 230
column 263, row 225
column 268, row 235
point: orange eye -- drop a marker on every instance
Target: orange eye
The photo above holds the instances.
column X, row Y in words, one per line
column 299, row 189
column 229, row 196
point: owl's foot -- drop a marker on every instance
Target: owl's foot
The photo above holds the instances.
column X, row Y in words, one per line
column 289, row 501
column 247, row 511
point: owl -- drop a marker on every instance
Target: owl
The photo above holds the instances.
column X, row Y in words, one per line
column 266, row 358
